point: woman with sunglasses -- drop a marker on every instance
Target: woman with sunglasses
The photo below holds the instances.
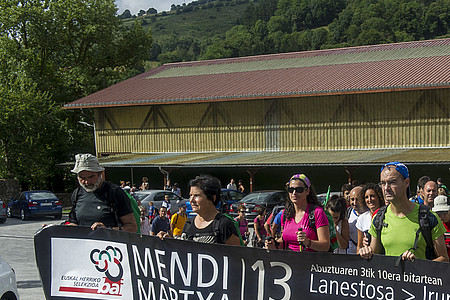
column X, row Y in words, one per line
column 297, row 233
column 243, row 223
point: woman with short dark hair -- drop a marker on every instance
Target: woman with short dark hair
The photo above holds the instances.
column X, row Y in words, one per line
column 208, row 226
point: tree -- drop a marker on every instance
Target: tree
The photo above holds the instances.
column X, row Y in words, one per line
column 53, row 52
column 239, row 40
column 31, row 127
column 126, row 14
column 151, row 11
column 141, row 13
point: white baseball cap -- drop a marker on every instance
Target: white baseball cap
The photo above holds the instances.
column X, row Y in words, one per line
column 441, row 204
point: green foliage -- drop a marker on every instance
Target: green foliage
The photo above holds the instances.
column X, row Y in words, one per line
column 271, row 26
column 30, row 126
column 53, row 52
column 186, row 31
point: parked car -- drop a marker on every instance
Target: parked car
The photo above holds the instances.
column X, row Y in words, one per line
column 2, row 212
column 252, row 201
column 35, row 203
column 8, row 285
column 227, row 197
column 157, row 197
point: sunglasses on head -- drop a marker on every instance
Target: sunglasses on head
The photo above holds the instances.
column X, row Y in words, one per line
column 298, row 189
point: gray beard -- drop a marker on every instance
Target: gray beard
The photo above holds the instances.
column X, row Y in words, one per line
column 94, row 187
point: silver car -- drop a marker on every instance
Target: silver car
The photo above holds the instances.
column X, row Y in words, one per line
column 2, row 212
column 8, row 285
column 157, row 197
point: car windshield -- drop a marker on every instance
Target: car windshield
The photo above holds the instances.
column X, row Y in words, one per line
column 255, row 198
column 42, row 195
column 140, row 196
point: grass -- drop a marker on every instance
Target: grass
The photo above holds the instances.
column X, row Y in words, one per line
column 198, row 24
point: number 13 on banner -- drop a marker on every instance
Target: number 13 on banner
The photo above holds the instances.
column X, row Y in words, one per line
column 259, row 266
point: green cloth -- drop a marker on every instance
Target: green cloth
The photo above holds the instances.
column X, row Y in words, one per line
column 400, row 233
column 136, row 211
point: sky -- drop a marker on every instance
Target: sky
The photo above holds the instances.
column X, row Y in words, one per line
column 136, row 5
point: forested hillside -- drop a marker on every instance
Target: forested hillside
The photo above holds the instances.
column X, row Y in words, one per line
column 219, row 29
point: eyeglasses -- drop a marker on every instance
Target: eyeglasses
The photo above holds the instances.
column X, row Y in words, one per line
column 298, row 189
column 242, row 211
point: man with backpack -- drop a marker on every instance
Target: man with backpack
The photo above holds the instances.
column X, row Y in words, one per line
column 404, row 228
column 99, row 203
column 178, row 220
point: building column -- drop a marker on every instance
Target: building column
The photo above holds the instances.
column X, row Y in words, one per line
column 251, row 173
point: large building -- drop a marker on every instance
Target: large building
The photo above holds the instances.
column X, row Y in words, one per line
column 341, row 107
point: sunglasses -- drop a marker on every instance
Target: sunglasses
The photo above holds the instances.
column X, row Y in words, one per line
column 242, row 211
column 298, row 189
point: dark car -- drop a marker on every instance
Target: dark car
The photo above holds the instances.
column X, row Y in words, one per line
column 157, row 197
column 2, row 212
column 35, row 203
column 228, row 197
column 252, row 201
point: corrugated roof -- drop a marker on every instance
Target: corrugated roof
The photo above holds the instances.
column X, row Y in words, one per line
column 401, row 66
column 289, row 158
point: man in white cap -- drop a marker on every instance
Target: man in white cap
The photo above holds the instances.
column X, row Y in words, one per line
column 442, row 208
column 98, row 203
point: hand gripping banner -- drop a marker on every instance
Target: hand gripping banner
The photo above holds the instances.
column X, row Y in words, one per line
column 78, row 263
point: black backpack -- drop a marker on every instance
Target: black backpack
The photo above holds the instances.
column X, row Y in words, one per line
column 427, row 221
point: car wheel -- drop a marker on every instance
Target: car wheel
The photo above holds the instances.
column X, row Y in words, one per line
column 58, row 217
column 8, row 212
column 2, row 221
column 23, row 216
column 8, row 296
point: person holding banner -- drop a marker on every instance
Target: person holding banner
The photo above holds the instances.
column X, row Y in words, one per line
column 298, row 234
column 98, row 203
column 371, row 202
column 208, row 226
column 397, row 234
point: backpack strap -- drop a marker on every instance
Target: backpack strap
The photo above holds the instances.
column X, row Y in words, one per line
column 282, row 218
column 427, row 221
column 236, row 226
column 378, row 223
column 74, row 200
column 311, row 217
column 74, row 197
column 176, row 219
column 112, row 203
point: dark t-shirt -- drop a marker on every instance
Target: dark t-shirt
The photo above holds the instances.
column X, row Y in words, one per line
column 91, row 207
column 160, row 224
column 219, row 231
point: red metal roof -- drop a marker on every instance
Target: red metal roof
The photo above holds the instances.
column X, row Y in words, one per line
column 378, row 68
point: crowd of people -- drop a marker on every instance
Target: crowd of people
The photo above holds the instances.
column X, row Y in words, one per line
column 367, row 219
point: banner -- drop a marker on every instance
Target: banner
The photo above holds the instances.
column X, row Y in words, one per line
column 78, row 263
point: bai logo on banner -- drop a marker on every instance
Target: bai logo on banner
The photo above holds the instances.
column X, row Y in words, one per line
column 100, row 270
